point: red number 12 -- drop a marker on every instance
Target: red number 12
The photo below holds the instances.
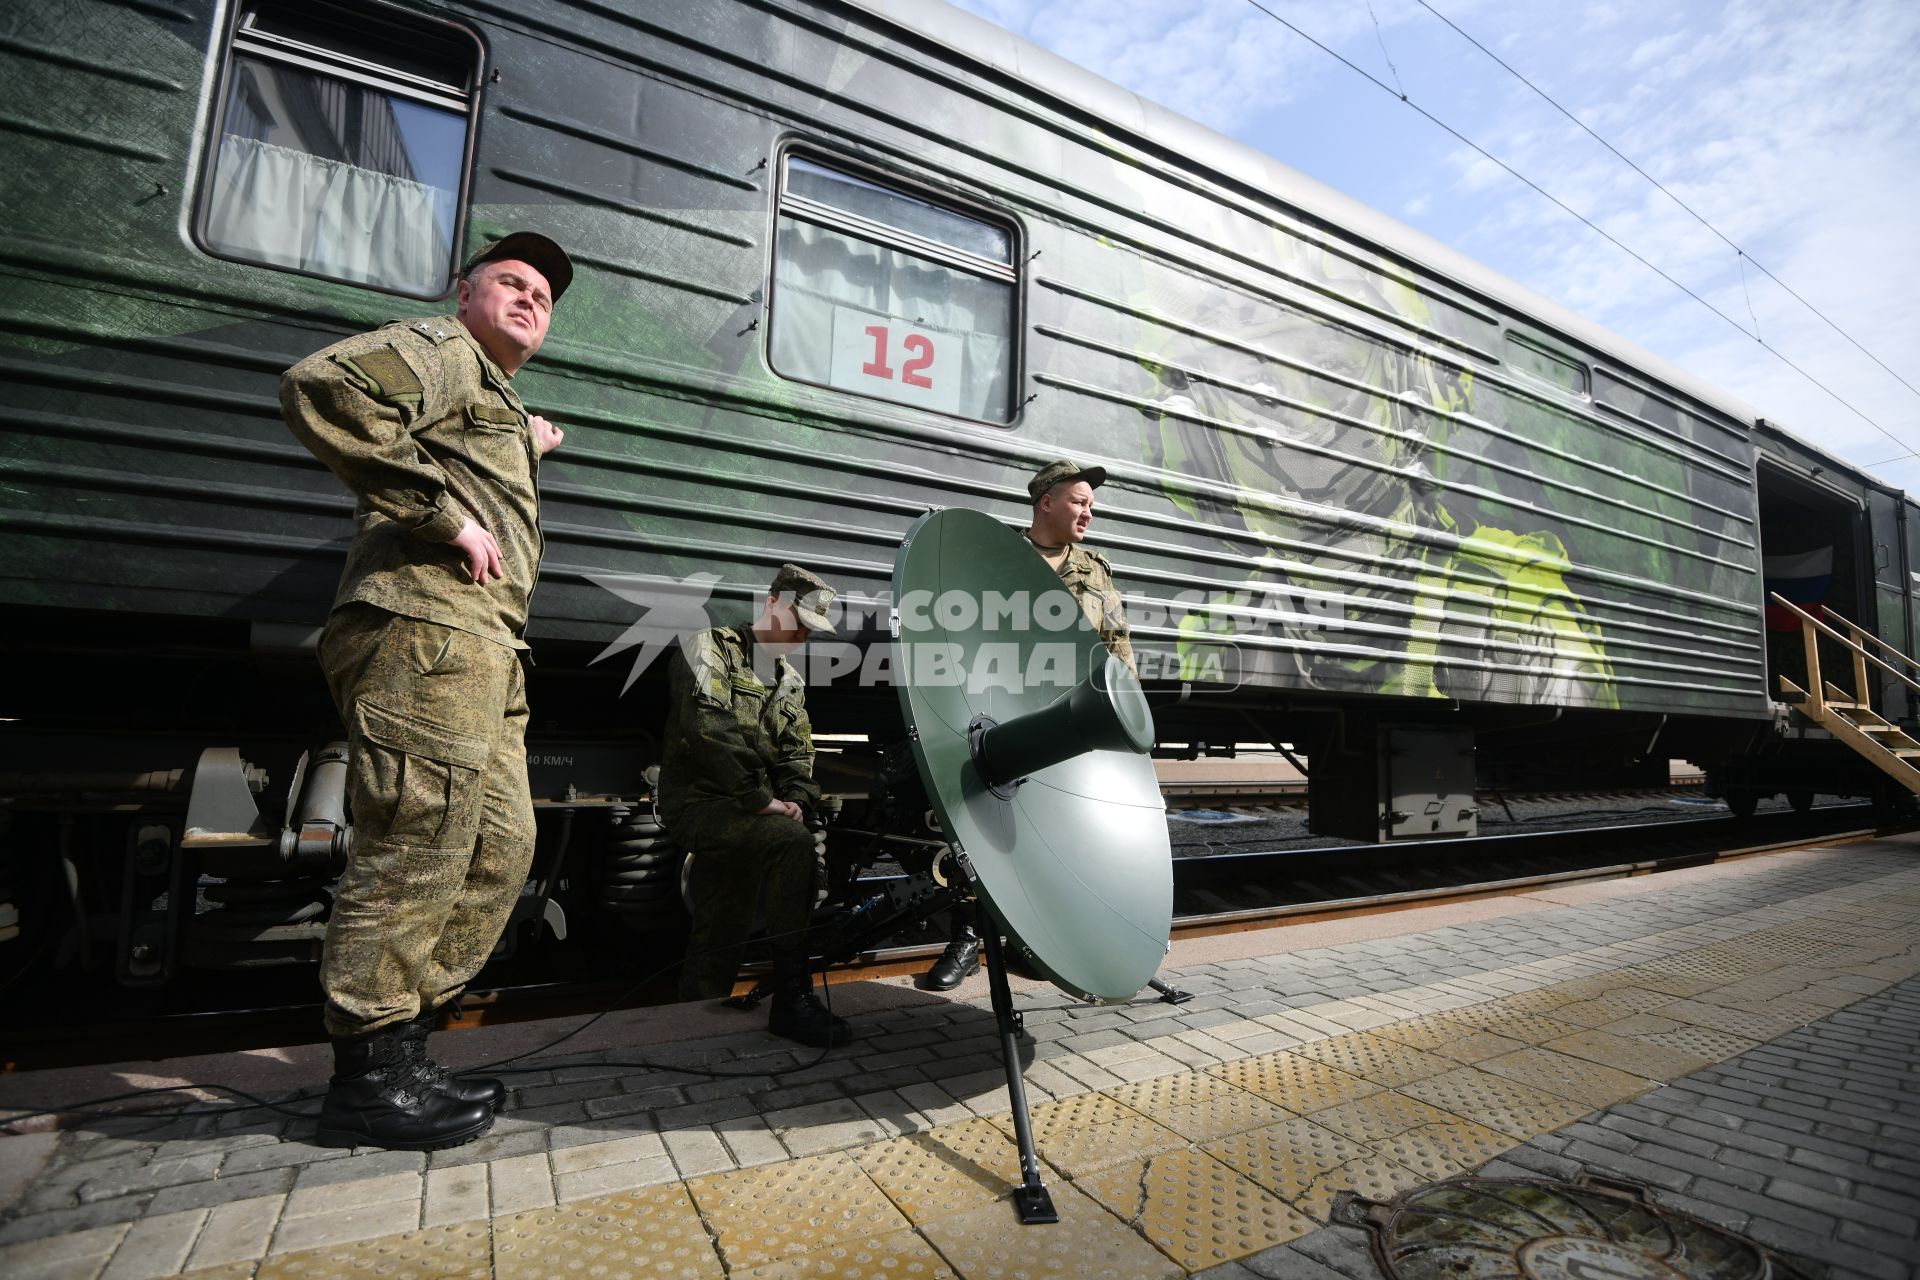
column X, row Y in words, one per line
column 918, row 344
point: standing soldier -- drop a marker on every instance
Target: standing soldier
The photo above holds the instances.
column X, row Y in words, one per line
column 1062, row 494
column 737, row 793
column 422, row 652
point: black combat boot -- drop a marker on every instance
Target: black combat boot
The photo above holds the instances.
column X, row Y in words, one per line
column 375, row 1100
column 960, row 961
column 413, row 1035
column 797, row 1014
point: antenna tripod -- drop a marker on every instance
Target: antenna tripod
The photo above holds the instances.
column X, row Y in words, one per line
column 913, row 901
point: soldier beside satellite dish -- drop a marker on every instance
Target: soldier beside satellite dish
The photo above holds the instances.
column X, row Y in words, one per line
column 737, row 791
column 1062, row 494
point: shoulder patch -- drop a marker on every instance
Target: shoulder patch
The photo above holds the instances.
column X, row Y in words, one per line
column 707, row 658
column 384, row 374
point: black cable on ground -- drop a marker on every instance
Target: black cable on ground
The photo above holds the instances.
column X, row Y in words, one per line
column 86, row 1109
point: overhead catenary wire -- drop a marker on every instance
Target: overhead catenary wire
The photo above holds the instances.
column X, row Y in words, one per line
column 1590, row 224
column 1744, row 255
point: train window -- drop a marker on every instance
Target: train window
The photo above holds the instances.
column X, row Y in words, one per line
column 341, row 145
column 1544, row 365
column 882, row 292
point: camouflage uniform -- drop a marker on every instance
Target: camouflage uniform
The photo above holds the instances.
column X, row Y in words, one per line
column 732, row 747
column 1089, row 577
column 424, row 664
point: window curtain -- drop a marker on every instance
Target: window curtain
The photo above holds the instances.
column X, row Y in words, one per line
column 288, row 208
column 817, row 269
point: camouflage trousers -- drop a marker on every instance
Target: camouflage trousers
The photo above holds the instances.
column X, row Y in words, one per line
column 739, row 861
column 443, row 824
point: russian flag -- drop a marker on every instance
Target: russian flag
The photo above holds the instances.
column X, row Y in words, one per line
column 1802, row 578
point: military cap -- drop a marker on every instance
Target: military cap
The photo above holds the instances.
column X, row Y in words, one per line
column 533, row 249
column 810, row 595
column 1061, row 470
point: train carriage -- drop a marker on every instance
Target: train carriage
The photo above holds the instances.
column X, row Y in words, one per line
column 839, row 264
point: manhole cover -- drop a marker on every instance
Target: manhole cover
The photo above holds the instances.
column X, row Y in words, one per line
column 1523, row 1229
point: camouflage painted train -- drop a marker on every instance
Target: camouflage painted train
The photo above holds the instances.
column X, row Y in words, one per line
column 839, row 264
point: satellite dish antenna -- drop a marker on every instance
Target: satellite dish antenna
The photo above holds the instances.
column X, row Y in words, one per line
column 1032, row 741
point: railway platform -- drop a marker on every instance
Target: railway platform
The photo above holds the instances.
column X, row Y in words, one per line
column 1624, row 1071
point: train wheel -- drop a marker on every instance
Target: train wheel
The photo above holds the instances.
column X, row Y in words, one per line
column 1742, row 802
column 1802, row 801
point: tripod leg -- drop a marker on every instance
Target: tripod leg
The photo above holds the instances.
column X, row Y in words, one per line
column 1169, row 994
column 1030, row 1197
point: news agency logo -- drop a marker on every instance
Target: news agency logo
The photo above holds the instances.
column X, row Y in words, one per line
column 1012, row 640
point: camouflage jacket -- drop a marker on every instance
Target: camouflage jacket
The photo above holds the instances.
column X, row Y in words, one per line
column 729, row 737
column 427, row 431
column 1089, row 577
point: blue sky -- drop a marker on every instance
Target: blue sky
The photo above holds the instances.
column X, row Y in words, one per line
column 1793, row 127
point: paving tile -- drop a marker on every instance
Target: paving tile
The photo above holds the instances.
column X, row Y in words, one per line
column 333, row 1197
column 1429, row 1031
column 618, row 1151
column 235, row 1232
column 519, row 1183
column 144, row 1176
column 78, row 1253
column 1573, row 1078
column 898, row 1255
column 454, row 1195
column 219, row 1191
column 1380, row 1115
column 1636, row 1055
column 604, row 1179
column 1476, row 1046
column 935, row 1103
column 944, row 1170
column 1375, row 1058
column 1618, row 1003
column 1307, row 1165
column 765, row 1214
column 1444, row 1149
column 1080, row 1150
column 365, row 1165
column 651, row 1233
column 1198, row 1106
column 1298, row 1083
column 1088, row 1243
column 697, row 1151
column 825, row 1126
column 750, row 1141
column 1285, row 1158
column 1512, row 1108
column 449, row 1251
column 62, row 1222
column 1195, row 1209
column 351, row 1224
column 156, row 1246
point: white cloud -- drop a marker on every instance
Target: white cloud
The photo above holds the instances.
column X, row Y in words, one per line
column 1655, row 50
column 1221, row 62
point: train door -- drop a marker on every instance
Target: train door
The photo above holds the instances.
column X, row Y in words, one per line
column 1886, row 518
column 1816, row 553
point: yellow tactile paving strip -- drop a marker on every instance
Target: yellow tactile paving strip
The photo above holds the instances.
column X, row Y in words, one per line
column 656, row 1232
column 1183, row 1172
column 422, row 1255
